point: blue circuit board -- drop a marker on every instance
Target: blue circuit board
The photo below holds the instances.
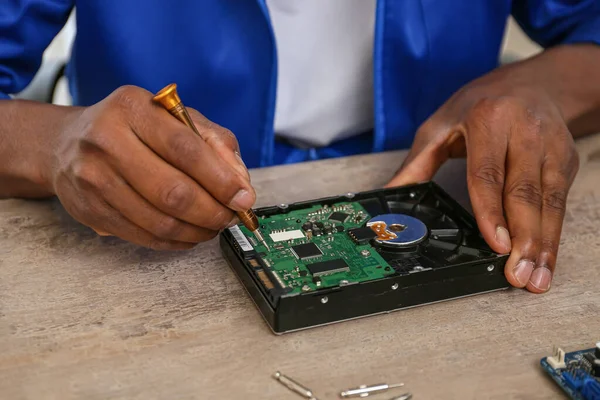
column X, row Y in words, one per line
column 575, row 372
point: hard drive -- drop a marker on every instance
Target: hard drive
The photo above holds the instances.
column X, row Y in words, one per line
column 360, row 254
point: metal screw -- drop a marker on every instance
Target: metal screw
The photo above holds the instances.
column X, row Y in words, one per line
column 324, row 299
column 305, row 288
column 365, row 252
column 283, row 206
column 412, row 195
column 418, row 268
column 350, row 195
column 490, row 267
column 394, row 286
column 344, row 282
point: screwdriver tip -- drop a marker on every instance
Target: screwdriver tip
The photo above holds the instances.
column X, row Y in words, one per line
column 396, row 385
column 261, row 239
column 266, row 245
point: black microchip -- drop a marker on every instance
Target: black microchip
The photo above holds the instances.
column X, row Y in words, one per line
column 589, row 357
column 340, row 228
column 306, row 251
column 362, row 235
column 302, row 273
column 328, row 267
column 339, row 216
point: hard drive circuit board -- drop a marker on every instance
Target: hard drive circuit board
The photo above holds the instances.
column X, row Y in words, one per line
column 318, row 247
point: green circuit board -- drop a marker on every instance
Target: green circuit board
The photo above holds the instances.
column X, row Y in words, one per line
column 315, row 248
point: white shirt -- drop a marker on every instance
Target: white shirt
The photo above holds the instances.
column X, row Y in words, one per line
column 325, row 69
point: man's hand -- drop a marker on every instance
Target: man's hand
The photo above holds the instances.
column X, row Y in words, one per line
column 126, row 167
column 521, row 162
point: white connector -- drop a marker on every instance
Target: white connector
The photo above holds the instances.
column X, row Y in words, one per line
column 557, row 359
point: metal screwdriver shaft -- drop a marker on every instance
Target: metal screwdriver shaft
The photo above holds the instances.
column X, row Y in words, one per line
column 366, row 390
column 170, row 100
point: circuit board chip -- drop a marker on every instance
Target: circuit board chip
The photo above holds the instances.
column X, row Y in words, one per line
column 362, row 235
column 328, row 267
column 306, row 251
column 338, row 217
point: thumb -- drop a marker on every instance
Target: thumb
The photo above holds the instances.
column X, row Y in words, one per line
column 422, row 162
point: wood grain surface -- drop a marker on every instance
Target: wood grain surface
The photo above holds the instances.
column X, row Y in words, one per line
column 89, row 317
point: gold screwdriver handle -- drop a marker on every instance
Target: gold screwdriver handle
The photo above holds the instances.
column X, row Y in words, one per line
column 170, row 100
column 249, row 219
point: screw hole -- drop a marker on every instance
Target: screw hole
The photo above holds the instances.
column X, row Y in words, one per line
column 397, row 227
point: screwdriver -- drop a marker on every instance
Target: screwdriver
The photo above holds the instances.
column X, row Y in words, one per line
column 170, row 100
column 294, row 386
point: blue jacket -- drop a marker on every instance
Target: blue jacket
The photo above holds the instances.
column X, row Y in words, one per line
column 225, row 57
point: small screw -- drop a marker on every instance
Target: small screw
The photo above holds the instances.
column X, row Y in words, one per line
column 350, row 195
column 365, row 252
column 344, row 282
column 324, row 299
column 490, row 267
column 394, row 286
column 283, row 205
column 305, row 288
column 412, row 195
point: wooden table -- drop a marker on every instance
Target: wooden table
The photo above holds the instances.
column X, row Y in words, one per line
column 87, row 317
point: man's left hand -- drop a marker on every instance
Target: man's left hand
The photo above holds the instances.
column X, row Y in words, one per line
column 521, row 162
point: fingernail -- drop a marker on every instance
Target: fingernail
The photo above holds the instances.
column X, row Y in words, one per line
column 503, row 237
column 241, row 201
column 523, row 271
column 541, row 278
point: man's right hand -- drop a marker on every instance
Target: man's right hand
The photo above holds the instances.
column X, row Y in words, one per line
column 127, row 168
